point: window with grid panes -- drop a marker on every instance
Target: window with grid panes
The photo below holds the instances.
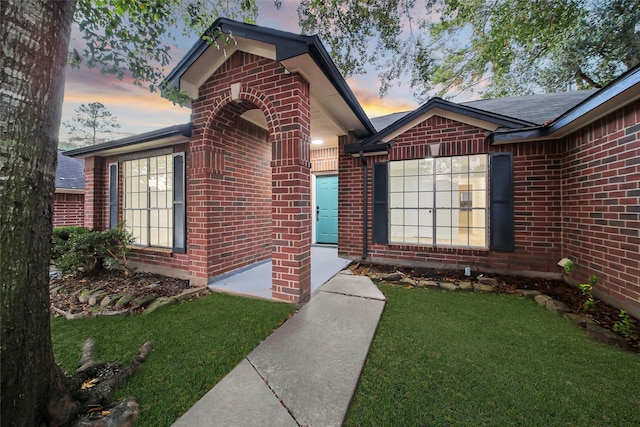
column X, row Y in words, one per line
column 148, row 200
column 439, row 201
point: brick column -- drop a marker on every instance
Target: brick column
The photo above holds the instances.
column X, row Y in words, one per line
column 95, row 193
column 200, row 179
column 291, row 219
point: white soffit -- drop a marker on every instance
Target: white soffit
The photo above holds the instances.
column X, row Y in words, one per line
column 322, row 124
column 213, row 58
column 256, row 116
column 482, row 124
column 142, row 146
column 326, row 96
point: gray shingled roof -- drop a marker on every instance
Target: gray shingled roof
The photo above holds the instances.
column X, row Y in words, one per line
column 383, row 121
column 70, row 172
column 533, row 108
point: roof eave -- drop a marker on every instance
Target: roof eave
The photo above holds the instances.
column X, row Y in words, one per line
column 168, row 132
column 355, row 148
column 326, row 64
column 518, row 135
column 64, row 190
column 614, row 89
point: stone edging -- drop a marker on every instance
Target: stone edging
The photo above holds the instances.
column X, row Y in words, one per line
column 101, row 301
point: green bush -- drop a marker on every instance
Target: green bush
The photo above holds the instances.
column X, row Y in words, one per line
column 79, row 250
column 62, row 238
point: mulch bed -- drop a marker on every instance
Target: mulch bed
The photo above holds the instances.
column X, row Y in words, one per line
column 604, row 314
column 68, row 288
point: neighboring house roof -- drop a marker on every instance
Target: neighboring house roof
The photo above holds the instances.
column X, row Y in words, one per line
column 537, row 109
column 383, row 140
column 69, row 174
column 171, row 135
column 297, row 53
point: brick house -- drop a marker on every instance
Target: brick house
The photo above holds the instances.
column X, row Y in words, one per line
column 69, row 195
column 502, row 185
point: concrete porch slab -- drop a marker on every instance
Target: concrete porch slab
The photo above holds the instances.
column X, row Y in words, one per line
column 255, row 280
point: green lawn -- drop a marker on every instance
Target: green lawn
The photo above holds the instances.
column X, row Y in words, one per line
column 195, row 345
column 461, row 359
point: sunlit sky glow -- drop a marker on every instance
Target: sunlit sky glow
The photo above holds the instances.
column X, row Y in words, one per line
column 137, row 110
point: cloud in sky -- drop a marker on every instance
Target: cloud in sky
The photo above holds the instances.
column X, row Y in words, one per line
column 138, row 110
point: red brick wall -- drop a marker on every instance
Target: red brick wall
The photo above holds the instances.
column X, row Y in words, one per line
column 161, row 261
column 601, row 205
column 68, row 209
column 536, row 202
column 240, row 201
column 96, row 193
column 324, row 159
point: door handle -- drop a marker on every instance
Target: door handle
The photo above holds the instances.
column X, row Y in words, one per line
column 317, row 213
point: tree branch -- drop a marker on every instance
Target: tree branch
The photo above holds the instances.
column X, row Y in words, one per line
column 583, row 76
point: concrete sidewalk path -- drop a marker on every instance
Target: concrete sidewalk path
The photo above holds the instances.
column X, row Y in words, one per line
column 305, row 373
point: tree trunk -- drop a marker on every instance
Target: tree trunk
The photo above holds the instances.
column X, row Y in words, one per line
column 35, row 38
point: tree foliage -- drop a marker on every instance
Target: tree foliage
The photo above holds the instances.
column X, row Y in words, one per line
column 135, row 37
column 90, row 121
column 493, row 47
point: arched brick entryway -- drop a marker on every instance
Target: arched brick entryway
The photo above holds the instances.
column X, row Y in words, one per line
column 221, row 137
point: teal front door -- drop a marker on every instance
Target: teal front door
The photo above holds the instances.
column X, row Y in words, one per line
column 327, row 209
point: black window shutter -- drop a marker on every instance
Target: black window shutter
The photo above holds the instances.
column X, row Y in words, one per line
column 113, row 195
column 179, row 211
column 501, row 205
column 380, row 203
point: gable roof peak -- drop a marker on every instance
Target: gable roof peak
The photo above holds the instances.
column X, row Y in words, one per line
column 297, row 53
column 383, row 140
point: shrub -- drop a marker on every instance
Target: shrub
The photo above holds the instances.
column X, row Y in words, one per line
column 62, row 238
column 569, row 267
column 586, row 289
column 77, row 249
column 623, row 326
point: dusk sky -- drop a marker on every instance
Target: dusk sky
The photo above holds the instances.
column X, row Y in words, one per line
column 137, row 110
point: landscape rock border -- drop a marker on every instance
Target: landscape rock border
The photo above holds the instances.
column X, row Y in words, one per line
column 105, row 304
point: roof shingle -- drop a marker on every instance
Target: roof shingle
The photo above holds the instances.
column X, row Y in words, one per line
column 70, row 172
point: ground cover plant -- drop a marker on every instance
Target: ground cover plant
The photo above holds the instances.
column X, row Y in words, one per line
column 460, row 359
column 195, row 344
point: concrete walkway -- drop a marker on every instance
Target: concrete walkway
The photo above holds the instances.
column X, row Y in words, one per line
column 255, row 280
column 305, row 373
